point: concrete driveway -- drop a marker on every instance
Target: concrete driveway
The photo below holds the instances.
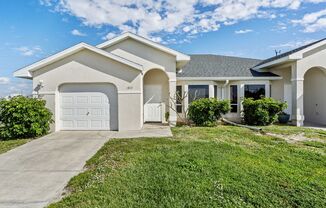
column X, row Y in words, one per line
column 35, row 174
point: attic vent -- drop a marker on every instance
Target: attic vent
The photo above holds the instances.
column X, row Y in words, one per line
column 277, row 52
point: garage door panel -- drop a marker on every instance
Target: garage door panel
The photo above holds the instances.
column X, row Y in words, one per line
column 67, row 99
column 97, row 112
column 82, row 124
column 96, row 100
column 82, row 99
column 97, row 124
column 81, row 111
column 68, row 123
column 67, row 112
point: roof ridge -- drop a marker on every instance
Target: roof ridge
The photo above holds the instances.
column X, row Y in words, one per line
column 224, row 56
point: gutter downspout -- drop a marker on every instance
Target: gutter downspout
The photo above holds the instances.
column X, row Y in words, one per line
column 223, row 88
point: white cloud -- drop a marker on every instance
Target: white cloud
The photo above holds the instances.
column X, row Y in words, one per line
column 292, row 44
column 29, row 51
column 15, row 86
column 109, row 36
column 4, row 80
column 150, row 18
column 46, row 2
column 243, row 31
column 77, row 33
column 312, row 22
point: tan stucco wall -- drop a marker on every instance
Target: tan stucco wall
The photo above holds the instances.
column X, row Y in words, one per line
column 282, row 89
column 89, row 67
column 146, row 52
column 278, row 85
column 311, row 59
column 315, row 96
column 163, row 59
column 294, row 75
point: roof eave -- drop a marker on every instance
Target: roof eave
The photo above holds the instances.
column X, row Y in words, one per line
column 273, row 63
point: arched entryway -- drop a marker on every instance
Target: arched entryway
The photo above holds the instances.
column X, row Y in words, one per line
column 315, row 96
column 156, row 95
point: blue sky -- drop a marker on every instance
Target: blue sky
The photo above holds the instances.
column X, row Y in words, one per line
column 33, row 29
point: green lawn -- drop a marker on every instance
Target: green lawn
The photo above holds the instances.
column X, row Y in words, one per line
column 202, row 167
column 11, row 144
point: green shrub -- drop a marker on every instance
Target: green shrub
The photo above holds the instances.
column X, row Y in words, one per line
column 22, row 117
column 261, row 112
column 206, row 111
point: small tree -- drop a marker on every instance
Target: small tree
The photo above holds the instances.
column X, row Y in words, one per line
column 206, row 111
column 262, row 112
column 23, row 117
column 174, row 101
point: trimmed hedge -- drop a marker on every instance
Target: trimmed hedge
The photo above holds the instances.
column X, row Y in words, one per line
column 22, row 117
column 262, row 112
column 206, row 111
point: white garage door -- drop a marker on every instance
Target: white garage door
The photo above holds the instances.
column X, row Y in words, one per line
column 84, row 111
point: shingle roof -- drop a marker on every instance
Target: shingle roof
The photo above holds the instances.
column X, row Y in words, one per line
column 221, row 66
column 288, row 53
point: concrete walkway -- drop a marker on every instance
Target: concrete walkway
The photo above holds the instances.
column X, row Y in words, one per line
column 314, row 126
column 35, row 174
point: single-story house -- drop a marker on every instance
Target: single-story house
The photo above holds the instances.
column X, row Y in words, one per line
column 129, row 80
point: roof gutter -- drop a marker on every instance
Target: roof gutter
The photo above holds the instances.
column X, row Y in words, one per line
column 227, row 78
column 226, row 83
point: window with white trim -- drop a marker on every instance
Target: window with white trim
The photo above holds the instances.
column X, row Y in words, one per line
column 255, row 91
column 215, row 91
column 234, row 98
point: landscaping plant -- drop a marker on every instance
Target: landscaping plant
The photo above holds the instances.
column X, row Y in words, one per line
column 206, row 111
column 261, row 112
column 23, row 117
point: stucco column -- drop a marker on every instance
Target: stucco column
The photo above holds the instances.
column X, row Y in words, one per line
column 297, row 96
column 268, row 90
column 172, row 90
column 223, row 93
column 211, row 91
column 185, row 101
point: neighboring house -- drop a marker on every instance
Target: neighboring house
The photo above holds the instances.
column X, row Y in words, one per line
column 129, row 80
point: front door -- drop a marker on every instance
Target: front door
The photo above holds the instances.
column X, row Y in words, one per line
column 153, row 112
